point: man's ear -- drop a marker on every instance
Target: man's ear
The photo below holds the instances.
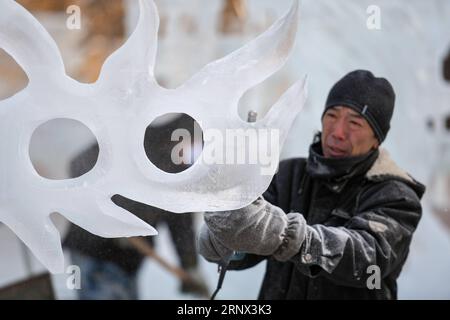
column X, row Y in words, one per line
column 375, row 145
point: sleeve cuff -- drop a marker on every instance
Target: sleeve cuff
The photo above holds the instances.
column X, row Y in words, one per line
column 293, row 237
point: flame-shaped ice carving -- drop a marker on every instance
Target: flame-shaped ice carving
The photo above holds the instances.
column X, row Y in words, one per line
column 117, row 109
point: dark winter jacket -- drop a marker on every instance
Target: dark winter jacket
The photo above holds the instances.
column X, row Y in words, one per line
column 360, row 214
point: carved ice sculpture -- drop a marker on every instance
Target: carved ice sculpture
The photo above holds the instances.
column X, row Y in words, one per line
column 117, row 109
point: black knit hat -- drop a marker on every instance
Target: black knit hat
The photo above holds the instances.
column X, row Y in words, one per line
column 373, row 98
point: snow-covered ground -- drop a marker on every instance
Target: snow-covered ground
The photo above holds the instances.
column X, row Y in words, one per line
column 333, row 39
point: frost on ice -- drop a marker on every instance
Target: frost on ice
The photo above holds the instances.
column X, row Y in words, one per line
column 117, row 109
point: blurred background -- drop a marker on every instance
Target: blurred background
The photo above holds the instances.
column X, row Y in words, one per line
column 407, row 42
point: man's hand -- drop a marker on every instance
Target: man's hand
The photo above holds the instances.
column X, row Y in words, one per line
column 210, row 248
column 260, row 228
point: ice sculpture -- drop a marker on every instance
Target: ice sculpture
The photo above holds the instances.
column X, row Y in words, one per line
column 117, row 109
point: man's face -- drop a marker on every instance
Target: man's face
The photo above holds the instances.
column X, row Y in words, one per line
column 346, row 133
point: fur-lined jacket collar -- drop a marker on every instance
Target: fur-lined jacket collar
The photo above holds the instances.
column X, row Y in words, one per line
column 384, row 167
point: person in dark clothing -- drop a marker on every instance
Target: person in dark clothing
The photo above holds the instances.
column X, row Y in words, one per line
column 337, row 225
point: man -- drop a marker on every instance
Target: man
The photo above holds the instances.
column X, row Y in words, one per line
column 328, row 223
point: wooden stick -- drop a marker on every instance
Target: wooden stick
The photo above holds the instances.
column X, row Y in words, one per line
column 146, row 249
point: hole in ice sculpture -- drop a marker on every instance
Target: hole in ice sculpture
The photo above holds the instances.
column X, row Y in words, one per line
column 12, row 78
column 173, row 142
column 56, row 143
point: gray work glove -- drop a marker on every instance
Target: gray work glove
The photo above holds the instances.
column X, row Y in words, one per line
column 210, row 248
column 260, row 228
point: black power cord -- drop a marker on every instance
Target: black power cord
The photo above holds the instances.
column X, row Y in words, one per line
column 222, row 269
